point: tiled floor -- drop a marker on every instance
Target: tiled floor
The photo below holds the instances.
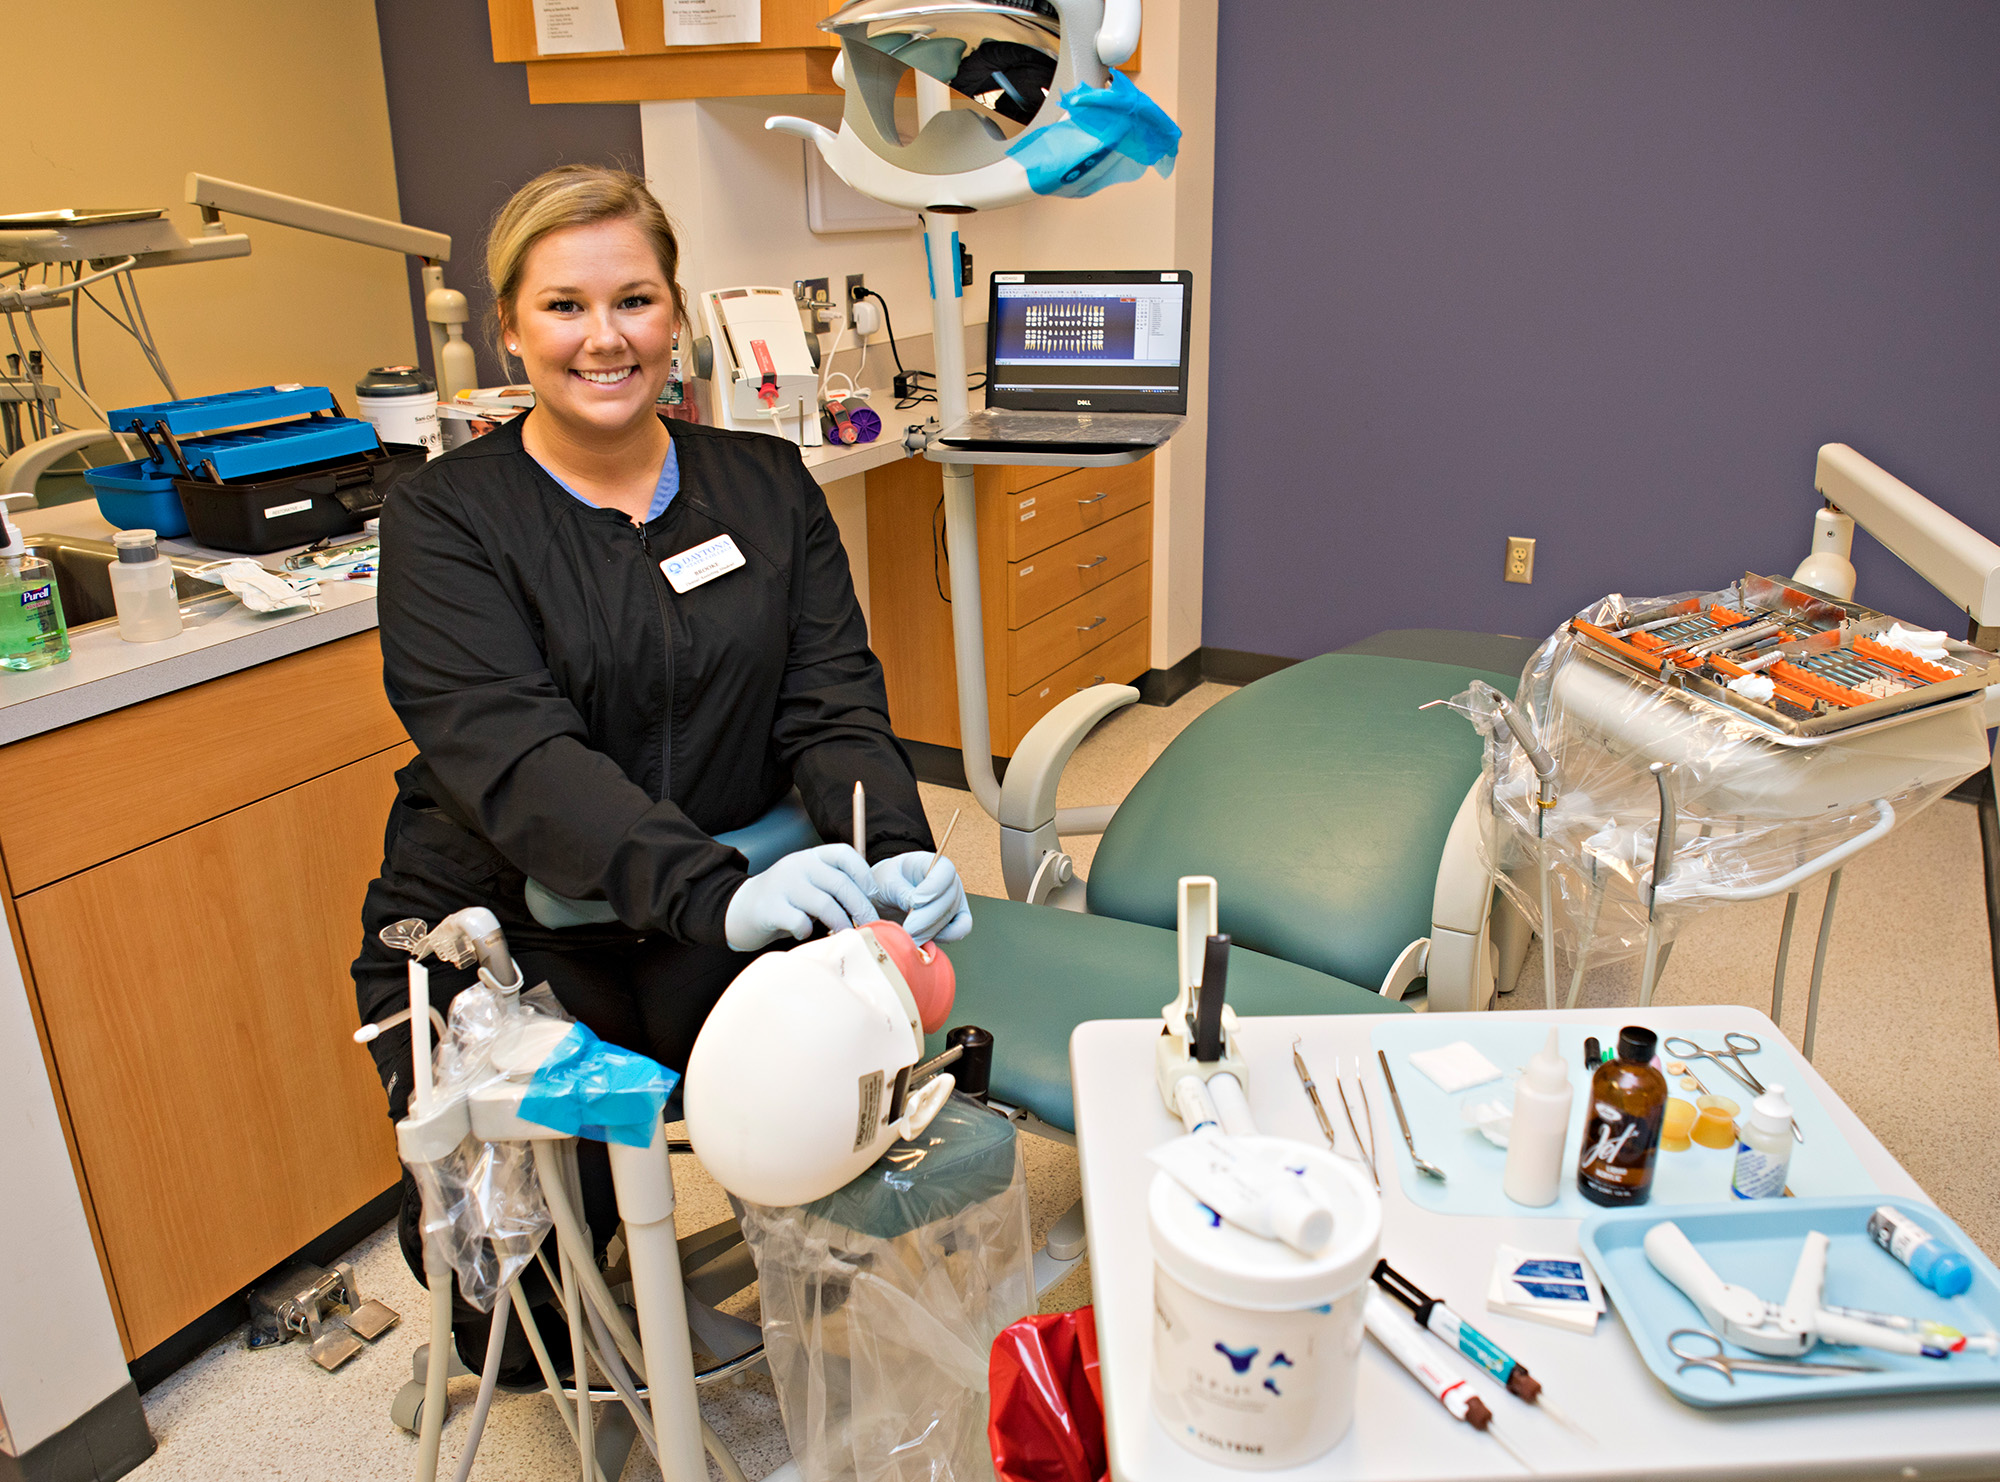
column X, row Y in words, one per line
column 1907, row 1036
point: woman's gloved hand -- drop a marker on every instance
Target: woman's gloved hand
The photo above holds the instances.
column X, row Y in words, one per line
column 926, row 886
column 829, row 884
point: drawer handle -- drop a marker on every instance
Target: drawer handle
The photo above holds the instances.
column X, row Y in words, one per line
column 1094, row 499
column 1087, row 627
column 1091, row 565
column 1094, row 679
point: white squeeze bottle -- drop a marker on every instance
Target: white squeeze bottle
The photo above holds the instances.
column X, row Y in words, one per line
column 1541, row 1124
column 1763, row 1147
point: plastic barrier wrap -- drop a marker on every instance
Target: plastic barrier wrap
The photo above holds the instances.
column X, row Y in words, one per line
column 483, row 1206
column 1754, row 817
column 1047, row 1418
column 880, row 1303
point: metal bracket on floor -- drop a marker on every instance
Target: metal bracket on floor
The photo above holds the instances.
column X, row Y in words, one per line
column 322, row 1306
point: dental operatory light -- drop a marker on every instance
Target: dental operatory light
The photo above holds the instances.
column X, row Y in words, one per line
column 1015, row 62
column 445, row 308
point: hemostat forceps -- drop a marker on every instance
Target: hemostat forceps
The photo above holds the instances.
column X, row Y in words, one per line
column 1698, row 1348
column 1730, row 1057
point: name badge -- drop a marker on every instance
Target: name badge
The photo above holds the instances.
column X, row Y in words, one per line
column 701, row 563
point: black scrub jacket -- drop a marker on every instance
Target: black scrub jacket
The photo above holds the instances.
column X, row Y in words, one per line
column 580, row 723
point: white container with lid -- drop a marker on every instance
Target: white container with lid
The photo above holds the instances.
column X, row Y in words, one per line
column 402, row 403
column 1255, row 1345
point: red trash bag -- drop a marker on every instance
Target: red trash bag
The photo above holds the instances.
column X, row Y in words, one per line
column 1046, row 1421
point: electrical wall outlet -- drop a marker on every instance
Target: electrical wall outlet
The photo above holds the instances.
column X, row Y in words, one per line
column 814, row 300
column 854, row 281
column 1520, row 558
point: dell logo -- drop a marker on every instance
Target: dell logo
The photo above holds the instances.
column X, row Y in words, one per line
column 1083, row 401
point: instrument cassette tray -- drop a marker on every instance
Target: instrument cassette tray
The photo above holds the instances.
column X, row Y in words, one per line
column 1830, row 669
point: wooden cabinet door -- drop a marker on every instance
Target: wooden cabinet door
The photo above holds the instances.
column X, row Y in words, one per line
column 200, row 1013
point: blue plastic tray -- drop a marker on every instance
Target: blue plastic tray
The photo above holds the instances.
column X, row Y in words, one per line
column 1823, row 1165
column 254, row 450
column 139, row 496
column 197, row 414
column 1756, row 1245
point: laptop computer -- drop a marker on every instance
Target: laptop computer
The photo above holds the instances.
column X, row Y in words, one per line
column 1081, row 362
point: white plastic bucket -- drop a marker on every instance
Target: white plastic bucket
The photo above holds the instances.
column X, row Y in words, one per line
column 402, row 404
column 1255, row 1346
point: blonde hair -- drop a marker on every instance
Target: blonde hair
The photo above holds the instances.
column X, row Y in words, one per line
column 574, row 195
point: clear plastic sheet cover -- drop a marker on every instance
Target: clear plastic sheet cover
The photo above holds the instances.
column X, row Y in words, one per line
column 483, row 1207
column 878, row 1343
column 1755, row 818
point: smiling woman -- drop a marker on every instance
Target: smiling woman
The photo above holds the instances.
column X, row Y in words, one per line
column 589, row 708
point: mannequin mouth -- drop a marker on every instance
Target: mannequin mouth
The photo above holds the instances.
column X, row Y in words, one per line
column 615, row 377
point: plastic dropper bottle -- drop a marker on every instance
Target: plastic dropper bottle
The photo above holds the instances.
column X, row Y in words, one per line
column 1930, row 1260
column 1541, row 1123
column 1764, row 1148
column 142, row 586
column 32, row 632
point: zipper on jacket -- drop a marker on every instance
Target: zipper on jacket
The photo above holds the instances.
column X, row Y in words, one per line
column 654, row 577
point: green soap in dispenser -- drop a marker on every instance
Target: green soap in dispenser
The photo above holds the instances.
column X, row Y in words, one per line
column 32, row 632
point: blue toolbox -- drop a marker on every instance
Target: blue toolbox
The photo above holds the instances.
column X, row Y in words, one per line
column 303, row 471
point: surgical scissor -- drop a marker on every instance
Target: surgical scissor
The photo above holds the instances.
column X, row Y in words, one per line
column 1736, row 1045
column 1690, row 1346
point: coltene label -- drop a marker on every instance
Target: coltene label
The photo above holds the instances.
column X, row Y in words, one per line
column 871, row 1110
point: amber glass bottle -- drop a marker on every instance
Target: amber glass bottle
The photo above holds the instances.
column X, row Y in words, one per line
column 1621, row 1129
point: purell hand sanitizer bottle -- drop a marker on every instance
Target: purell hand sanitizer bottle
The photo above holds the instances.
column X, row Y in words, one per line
column 32, row 632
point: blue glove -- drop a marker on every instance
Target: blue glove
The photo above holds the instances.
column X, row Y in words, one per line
column 829, row 884
column 926, row 886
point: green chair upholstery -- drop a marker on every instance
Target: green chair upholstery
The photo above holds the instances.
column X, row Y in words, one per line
column 1031, row 974
column 1319, row 798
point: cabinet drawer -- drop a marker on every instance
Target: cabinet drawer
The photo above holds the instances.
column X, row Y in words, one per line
column 198, row 1008
column 104, row 786
column 1118, row 660
column 1080, row 564
column 1075, row 628
column 1082, row 499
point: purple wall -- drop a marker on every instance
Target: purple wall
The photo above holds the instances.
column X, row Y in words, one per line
column 1606, row 274
column 466, row 137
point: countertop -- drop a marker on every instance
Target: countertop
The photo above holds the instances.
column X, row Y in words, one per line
column 105, row 673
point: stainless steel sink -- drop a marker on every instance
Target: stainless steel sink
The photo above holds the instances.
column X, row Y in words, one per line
column 83, row 578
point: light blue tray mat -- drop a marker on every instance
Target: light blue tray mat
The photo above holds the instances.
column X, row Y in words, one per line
column 1822, row 1165
column 1756, row 1244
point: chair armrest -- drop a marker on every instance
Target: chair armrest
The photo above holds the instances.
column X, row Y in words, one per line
column 1028, row 796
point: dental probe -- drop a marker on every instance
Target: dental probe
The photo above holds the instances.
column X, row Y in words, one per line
column 1450, row 1328
column 938, row 853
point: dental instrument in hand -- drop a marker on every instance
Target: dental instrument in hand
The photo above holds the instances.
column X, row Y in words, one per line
column 938, row 853
column 1447, row 1326
column 1424, row 1166
column 860, row 821
column 1449, row 1388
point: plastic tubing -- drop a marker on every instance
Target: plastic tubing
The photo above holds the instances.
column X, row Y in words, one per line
column 489, row 1376
column 431, row 1432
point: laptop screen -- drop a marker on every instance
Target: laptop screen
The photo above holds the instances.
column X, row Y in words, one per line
column 1100, row 341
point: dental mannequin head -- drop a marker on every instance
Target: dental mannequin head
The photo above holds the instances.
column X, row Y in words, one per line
column 582, row 262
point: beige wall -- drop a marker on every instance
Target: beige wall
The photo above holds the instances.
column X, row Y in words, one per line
column 738, row 193
column 112, row 103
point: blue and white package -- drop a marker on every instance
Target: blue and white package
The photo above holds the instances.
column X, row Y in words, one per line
column 1556, row 1289
column 588, row 1088
column 1111, row 135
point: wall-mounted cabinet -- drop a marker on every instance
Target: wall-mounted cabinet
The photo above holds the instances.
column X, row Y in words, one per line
column 793, row 57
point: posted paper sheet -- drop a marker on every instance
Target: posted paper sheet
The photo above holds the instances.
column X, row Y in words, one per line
column 714, row 22
column 577, row 25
